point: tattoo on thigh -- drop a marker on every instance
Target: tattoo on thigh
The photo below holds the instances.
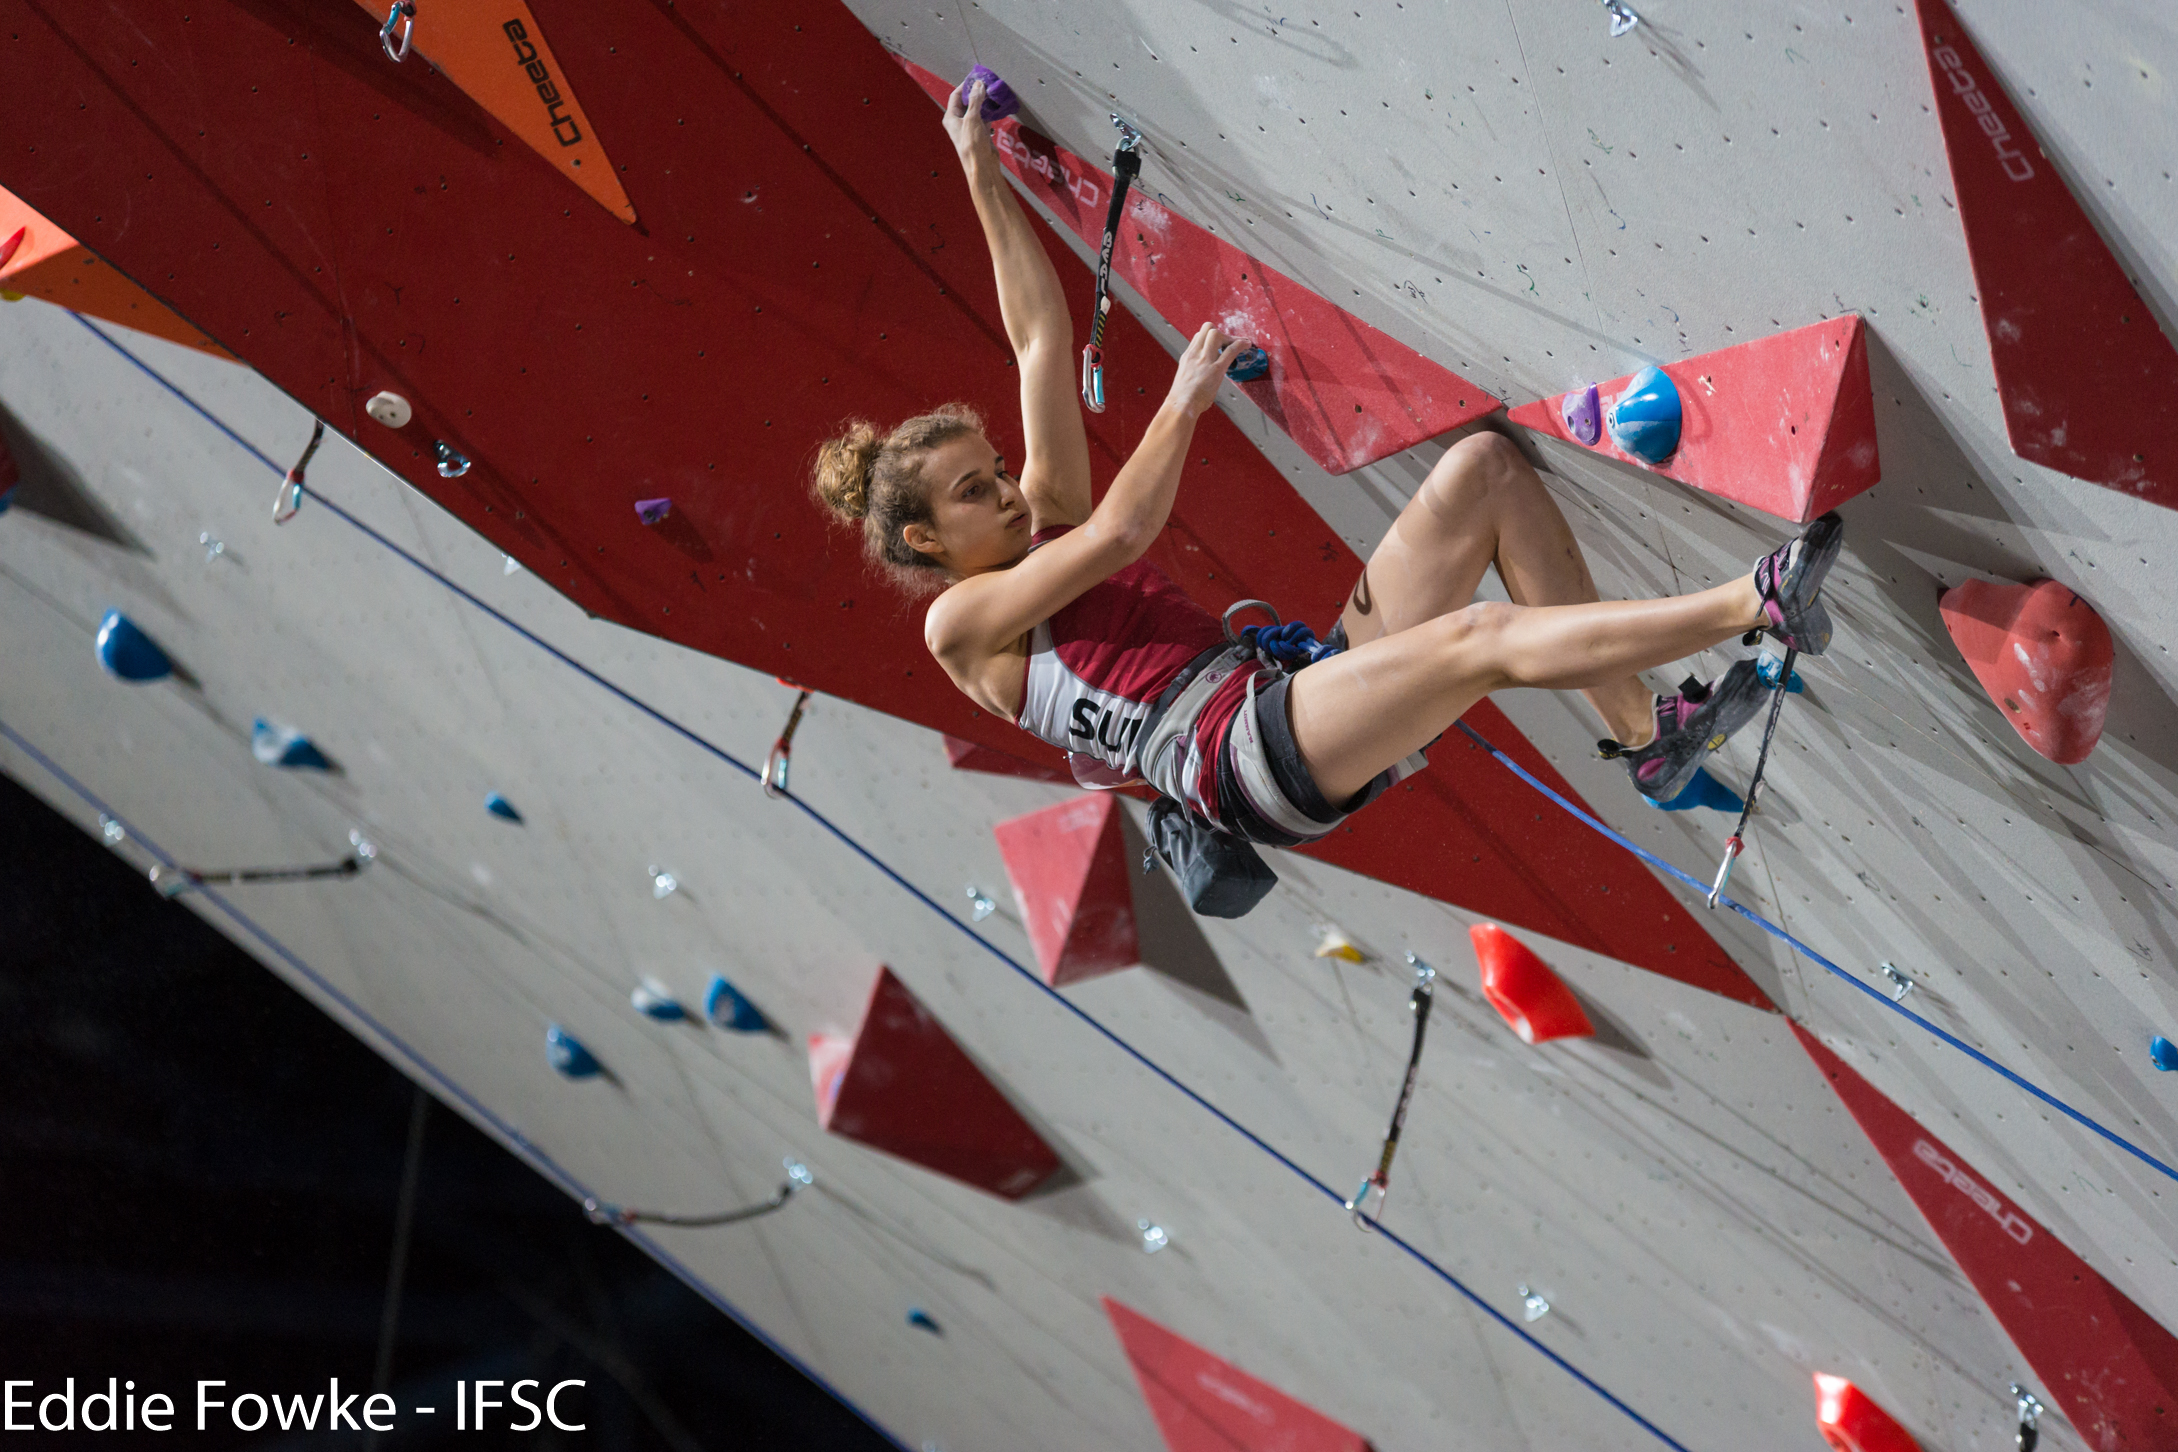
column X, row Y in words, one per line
column 1362, row 600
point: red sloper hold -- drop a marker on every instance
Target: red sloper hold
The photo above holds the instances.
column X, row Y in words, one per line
column 903, row 1086
column 2043, row 655
column 2112, row 1368
column 1346, row 393
column 1205, row 1404
column 2088, row 381
column 1785, row 423
column 1068, row 864
column 637, row 381
column 1850, row 1420
column 1521, row 987
column 975, row 756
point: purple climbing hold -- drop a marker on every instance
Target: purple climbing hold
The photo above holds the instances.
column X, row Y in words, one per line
column 1583, row 411
column 651, row 511
column 999, row 101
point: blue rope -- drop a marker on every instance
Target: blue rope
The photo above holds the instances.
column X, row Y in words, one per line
column 1809, row 953
column 875, row 861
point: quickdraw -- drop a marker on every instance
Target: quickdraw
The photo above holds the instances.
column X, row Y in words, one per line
column 289, row 499
column 1126, row 166
column 1425, row 978
column 402, row 14
column 774, row 778
column 605, row 1213
column 1736, row 843
column 172, row 881
column 2030, row 1418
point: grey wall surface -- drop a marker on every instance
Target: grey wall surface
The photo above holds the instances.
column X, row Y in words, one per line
column 1535, row 204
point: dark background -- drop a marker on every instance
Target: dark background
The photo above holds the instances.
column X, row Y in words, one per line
column 200, row 1176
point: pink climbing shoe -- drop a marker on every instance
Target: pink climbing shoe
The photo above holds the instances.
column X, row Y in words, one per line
column 1791, row 580
column 1689, row 726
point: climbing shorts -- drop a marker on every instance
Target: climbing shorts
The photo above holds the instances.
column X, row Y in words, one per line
column 1264, row 789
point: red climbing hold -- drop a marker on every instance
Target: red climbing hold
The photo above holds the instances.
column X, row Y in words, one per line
column 1850, row 1421
column 2088, row 381
column 1205, row 1404
column 1519, row 985
column 2043, row 655
column 1785, row 423
column 2103, row 1359
column 903, row 1086
column 964, row 755
column 1068, row 864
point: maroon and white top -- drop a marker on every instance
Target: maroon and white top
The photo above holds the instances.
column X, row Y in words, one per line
column 1098, row 665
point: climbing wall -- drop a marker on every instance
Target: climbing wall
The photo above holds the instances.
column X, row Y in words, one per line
column 1531, row 204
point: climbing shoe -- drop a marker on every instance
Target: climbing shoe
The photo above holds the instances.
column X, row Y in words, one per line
column 1790, row 579
column 1689, row 726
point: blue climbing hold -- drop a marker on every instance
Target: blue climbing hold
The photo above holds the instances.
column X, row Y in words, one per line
column 2163, row 1052
column 725, row 1006
column 499, row 806
column 125, row 651
column 569, row 1056
column 922, row 1320
column 1645, row 418
column 277, row 745
column 1248, row 365
column 1703, row 791
column 653, row 999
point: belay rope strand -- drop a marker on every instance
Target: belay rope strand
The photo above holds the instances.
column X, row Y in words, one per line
column 1736, row 843
column 1126, row 166
column 1425, row 978
column 774, row 776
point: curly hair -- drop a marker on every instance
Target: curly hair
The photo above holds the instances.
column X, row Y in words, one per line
column 876, row 479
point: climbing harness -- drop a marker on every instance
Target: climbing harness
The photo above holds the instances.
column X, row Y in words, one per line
column 1425, row 978
column 1736, row 843
column 2030, row 1417
column 603, row 1213
column 173, row 881
column 774, row 777
column 289, row 499
column 402, row 14
column 1126, row 166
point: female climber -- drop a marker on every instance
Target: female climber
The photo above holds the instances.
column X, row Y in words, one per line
column 1048, row 615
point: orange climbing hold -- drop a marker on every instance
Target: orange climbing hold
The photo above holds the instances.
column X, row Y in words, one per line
column 1519, row 985
column 1068, row 864
column 1850, row 1421
column 2043, row 655
column 903, row 1086
column 1785, row 423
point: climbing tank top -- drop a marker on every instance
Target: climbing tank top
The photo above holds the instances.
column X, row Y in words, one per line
column 1097, row 667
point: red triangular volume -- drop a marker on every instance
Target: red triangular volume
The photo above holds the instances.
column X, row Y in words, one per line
column 1346, row 393
column 1785, row 424
column 903, row 1086
column 2114, row 1370
column 964, row 755
column 2088, row 381
column 2043, row 655
column 1205, row 1404
column 1068, row 864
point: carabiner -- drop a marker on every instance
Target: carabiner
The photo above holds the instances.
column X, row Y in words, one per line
column 1239, row 605
column 1733, row 846
column 289, row 499
column 403, row 14
column 774, row 776
column 1356, row 1207
column 1092, row 378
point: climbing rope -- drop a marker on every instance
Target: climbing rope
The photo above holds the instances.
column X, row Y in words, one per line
column 773, row 779
column 1126, row 166
column 1736, row 843
column 604, row 1212
column 1425, row 978
column 2078, row 1117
